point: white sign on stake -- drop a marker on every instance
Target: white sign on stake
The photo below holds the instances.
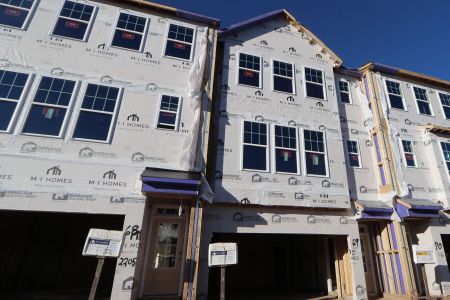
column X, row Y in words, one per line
column 222, row 254
column 103, row 243
column 423, row 255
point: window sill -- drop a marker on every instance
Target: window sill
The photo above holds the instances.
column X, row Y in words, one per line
column 41, row 135
column 68, row 38
column 250, row 86
column 178, row 58
column 252, row 170
column 126, row 49
column 317, row 176
column 90, row 141
column 313, row 98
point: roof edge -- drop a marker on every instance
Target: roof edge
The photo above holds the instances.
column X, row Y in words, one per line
column 290, row 18
column 377, row 67
column 210, row 21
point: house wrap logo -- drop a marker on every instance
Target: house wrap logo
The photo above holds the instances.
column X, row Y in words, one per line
column 109, row 179
column 295, row 181
column 53, row 176
column 141, row 157
column 317, row 220
column 369, row 143
column 57, row 71
column 240, row 217
column 87, row 152
column 31, row 147
column 363, row 189
column 300, row 196
column 259, row 93
column 151, row 87
column 277, row 219
column 360, row 290
column 328, row 184
column 109, row 80
column 245, row 201
column 110, row 175
column 54, row 171
column 133, row 117
column 257, row 178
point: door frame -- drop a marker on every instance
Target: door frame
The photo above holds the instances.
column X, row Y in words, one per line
column 374, row 276
column 148, row 244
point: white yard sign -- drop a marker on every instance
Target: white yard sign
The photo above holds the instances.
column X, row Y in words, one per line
column 103, row 243
column 423, row 255
column 222, row 254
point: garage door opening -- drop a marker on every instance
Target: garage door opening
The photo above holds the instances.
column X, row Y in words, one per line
column 41, row 255
column 277, row 266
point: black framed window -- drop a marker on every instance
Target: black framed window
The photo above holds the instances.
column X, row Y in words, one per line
column 179, row 42
column 423, row 104
column 445, row 102
column 314, row 83
column 408, row 152
column 168, row 112
column 395, row 94
column 97, row 113
column 74, row 20
column 344, row 91
column 255, row 143
column 129, row 32
column 353, row 154
column 15, row 13
column 12, row 85
column 48, row 112
column 446, row 152
column 315, row 153
column 249, row 70
column 283, row 77
column 286, row 149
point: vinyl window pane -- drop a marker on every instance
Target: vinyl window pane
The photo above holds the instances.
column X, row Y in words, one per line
column 177, row 49
column 126, row 39
column 254, row 157
column 396, row 102
column 286, row 160
column 7, row 109
column 13, row 17
column 283, row 84
column 314, row 90
column 70, row 29
column 46, row 120
column 315, row 164
column 93, row 126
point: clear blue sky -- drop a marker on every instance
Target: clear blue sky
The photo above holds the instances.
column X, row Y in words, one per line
column 409, row 34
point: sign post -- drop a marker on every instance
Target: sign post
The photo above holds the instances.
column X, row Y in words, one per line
column 423, row 255
column 102, row 243
column 222, row 255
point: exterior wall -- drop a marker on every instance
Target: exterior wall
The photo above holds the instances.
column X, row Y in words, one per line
column 277, row 40
column 67, row 175
column 241, row 103
column 429, row 178
column 356, row 123
column 219, row 219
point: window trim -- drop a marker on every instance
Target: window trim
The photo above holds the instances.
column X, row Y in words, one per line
column 404, row 153
column 267, row 147
column 350, row 98
column 166, row 38
column 294, row 85
column 27, row 21
column 327, row 168
column 405, row 107
column 30, row 101
column 14, row 123
column 144, row 33
column 260, row 70
column 416, row 100
column 348, row 153
column 178, row 113
column 323, row 84
column 78, row 109
column 274, row 148
column 438, row 92
column 88, row 28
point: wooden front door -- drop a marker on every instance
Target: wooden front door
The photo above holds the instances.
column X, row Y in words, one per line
column 367, row 258
column 165, row 256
